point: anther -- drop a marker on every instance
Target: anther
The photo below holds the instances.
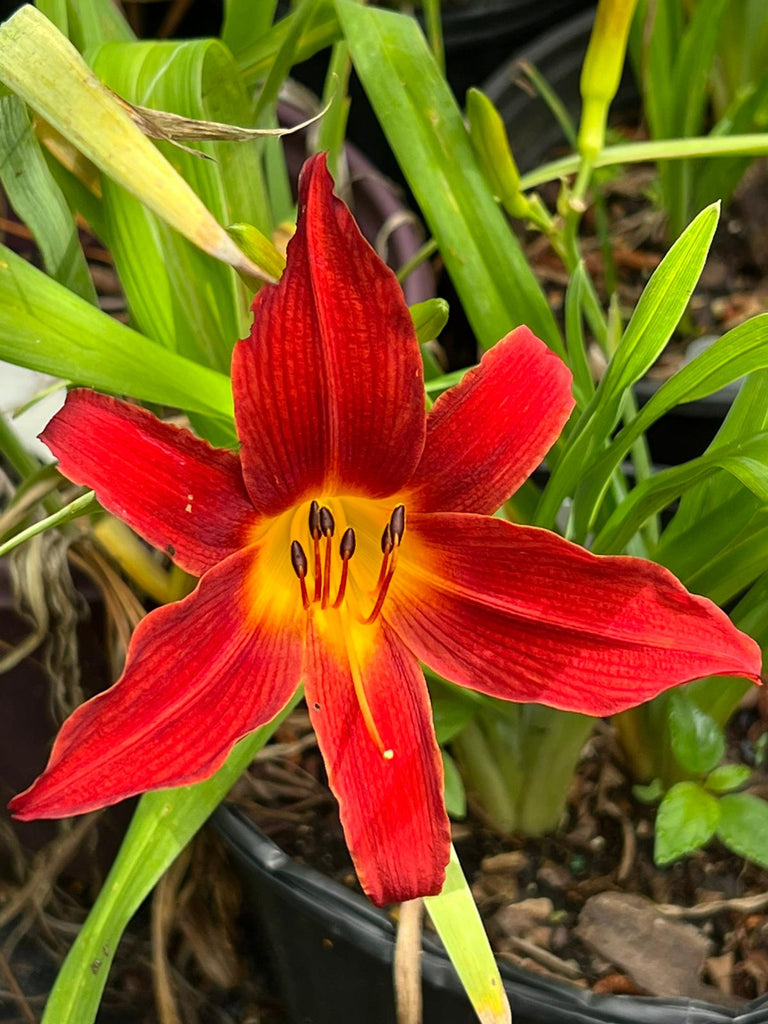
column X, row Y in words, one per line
column 316, row 534
column 314, row 521
column 346, row 550
column 348, row 542
column 390, row 542
column 397, row 524
column 299, row 563
column 327, row 526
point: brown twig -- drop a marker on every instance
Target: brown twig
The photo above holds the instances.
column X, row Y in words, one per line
column 737, row 905
column 13, row 985
column 407, row 963
column 46, row 869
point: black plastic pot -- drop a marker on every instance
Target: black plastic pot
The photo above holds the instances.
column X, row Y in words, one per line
column 331, row 953
column 536, row 136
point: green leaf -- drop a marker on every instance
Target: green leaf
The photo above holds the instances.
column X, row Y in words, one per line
column 93, row 22
column 649, row 793
column 55, row 11
column 739, row 352
column 246, row 22
column 38, row 200
column 747, row 461
column 451, row 712
column 686, row 820
column 458, row 924
column 697, row 741
column 46, row 327
column 455, row 794
column 162, row 825
column 47, row 72
column 743, row 826
column 656, row 315
column 426, row 131
column 583, row 384
column 177, row 294
column 256, row 57
column 727, row 777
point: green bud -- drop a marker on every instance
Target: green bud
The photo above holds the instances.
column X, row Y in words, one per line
column 258, row 248
column 429, row 318
column 601, row 72
column 491, row 146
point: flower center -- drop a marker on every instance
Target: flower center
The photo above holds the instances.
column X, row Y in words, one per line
column 322, row 527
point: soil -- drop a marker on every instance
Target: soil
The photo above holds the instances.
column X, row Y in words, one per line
column 533, row 892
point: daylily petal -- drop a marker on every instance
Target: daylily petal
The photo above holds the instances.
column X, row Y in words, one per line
column 174, row 489
column 328, row 388
column 392, row 809
column 522, row 614
column 486, row 435
column 200, row 675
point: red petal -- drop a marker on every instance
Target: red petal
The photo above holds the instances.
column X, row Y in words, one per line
column 200, row 675
column 488, row 434
column 522, row 614
column 392, row 810
column 174, row 489
column 328, row 388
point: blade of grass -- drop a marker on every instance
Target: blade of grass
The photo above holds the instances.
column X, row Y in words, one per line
column 38, row 200
column 456, row 918
column 46, row 327
column 426, row 130
column 46, row 71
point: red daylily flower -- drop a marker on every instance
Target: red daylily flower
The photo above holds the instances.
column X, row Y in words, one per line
column 352, row 536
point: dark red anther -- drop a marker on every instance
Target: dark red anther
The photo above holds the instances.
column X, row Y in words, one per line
column 314, row 521
column 397, row 524
column 327, row 524
column 386, row 540
column 299, row 563
column 348, row 543
column 298, row 560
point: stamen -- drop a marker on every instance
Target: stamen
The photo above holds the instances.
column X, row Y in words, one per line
column 386, row 547
column 327, row 525
column 383, row 589
column 315, row 533
column 346, row 550
column 390, row 542
column 299, row 563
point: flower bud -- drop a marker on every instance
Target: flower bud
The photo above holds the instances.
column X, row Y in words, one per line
column 489, row 140
column 601, row 72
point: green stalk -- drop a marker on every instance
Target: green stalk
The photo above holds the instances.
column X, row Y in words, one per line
column 482, row 773
column 518, row 762
column 647, row 152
